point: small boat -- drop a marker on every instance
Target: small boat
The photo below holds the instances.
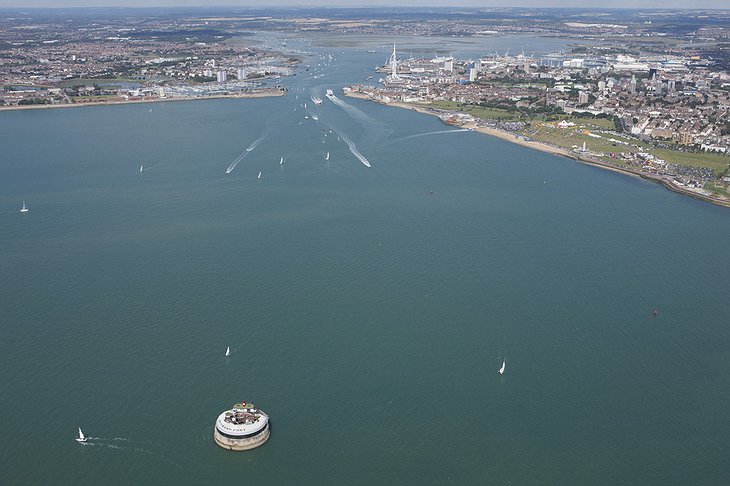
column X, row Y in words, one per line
column 228, row 351
column 259, row 177
column 82, row 437
column 330, row 93
column 327, row 157
column 141, row 168
column 24, row 209
column 317, row 101
column 315, row 117
column 501, row 370
column 281, row 161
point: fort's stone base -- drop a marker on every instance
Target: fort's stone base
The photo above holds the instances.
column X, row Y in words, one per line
column 242, row 444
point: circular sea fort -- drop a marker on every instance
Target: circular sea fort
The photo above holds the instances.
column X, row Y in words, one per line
column 242, row 427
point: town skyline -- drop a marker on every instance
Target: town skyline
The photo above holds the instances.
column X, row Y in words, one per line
column 618, row 4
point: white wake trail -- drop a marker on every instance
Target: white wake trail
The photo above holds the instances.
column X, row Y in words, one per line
column 439, row 132
column 113, row 443
column 236, row 161
column 353, row 148
column 256, row 143
column 245, row 153
column 353, row 111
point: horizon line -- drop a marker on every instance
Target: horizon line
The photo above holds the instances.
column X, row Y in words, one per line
column 353, row 7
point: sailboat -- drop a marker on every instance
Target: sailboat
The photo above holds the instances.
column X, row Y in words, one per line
column 501, row 370
column 281, row 161
column 228, row 351
column 81, row 438
column 24, row 209
column 141, row 168
column 259, row 177
column 327, row 157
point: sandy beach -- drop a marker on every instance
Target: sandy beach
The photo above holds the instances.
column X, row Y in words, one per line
column 666, row 181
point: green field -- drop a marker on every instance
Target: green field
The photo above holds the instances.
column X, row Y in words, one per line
column 568, row 137
column 716, row 162
column 718, row 188
column 71, row 83
column 487, row 113
column 477, row 111
column 87, row 99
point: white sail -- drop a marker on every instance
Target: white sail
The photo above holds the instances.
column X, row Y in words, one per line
column 24, row 209
column 81, row 438
column 501, row 370
column 141, row 168
column 327, row 157
column 228, row 351
column 281, row 161
column 259, row 177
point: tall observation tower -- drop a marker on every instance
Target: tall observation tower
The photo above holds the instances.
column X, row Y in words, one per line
column 393, row 65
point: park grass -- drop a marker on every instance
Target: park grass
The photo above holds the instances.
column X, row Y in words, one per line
column 602, row 123
column 477, row 111
column 716, row 162
column 72, row 83
column 499, row 114
column 718, row 188
column 94, row 98
column 566, row 138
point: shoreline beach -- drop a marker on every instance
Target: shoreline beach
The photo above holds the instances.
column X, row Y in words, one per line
column 266, row 94
column 543, row 147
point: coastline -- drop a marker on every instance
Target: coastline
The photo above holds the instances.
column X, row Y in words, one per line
column 266, row 94
column 665, row 181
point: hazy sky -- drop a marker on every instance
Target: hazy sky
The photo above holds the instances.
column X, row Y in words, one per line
column 365, row 3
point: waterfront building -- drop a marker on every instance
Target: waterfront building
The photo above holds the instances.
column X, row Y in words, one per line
column 449, row 65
